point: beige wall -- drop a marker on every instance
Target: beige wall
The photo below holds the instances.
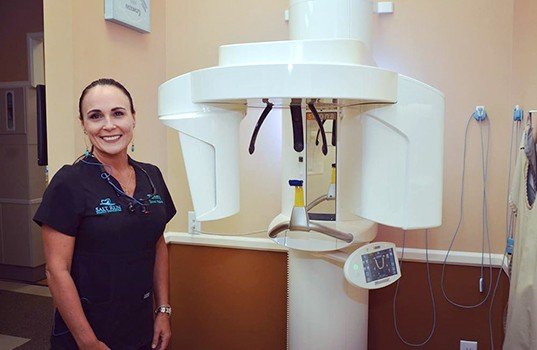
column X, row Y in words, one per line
column 462, row 48
column 59, row 81
column 17, row 18
column 465, row 49
column 194, row 31
column 525, row 55
column 80, row 46
column 105, row 49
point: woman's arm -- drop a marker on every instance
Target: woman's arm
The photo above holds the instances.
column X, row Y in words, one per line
column 161, row 284
column 58, row 256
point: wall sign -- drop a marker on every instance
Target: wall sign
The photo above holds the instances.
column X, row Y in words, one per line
column 135, row 14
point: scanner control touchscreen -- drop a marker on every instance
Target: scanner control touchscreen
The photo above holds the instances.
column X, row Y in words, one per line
column 373, row 266
column 379, row 265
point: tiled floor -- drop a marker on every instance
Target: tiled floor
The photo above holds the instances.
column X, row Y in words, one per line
column 8, row 342
column 42, row 282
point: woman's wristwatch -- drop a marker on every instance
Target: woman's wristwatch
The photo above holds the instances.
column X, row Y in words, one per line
column 164, row 309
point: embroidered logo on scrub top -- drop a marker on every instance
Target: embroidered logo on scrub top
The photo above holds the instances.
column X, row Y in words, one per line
column 107, row 206
column 155, row 199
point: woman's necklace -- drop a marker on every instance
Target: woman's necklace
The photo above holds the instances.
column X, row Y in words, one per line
column 128, row 182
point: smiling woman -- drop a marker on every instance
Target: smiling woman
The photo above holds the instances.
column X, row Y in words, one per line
column 115, row 209
column 108, row 117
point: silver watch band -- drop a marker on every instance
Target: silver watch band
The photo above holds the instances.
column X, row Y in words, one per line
column 164, row 309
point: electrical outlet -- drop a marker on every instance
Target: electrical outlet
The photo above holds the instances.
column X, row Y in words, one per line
column 383, row 7
column 194, row 226
column 468, row 345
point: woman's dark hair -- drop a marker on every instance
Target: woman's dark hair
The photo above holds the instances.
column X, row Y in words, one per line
column 104, row 82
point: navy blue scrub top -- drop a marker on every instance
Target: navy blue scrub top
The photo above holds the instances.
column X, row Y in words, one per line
column 114, row 252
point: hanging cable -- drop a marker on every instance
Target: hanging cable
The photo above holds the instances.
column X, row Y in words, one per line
column 481, row 117
column 394, row 304
column 516, row 134
column 485, row 228
column 494, row 295
column 509, row 215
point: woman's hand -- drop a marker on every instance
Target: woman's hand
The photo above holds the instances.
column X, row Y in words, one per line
column 161, row 332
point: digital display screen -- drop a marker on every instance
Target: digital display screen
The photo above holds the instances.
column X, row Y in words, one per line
column 379, row 265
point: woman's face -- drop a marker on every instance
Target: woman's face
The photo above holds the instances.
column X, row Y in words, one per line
column 107, row 120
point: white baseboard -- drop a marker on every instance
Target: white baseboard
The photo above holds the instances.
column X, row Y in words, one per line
column 455, row 257
column 263, row 243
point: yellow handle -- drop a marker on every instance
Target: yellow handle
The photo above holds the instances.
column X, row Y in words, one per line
column 333, row 177
column 299, row 196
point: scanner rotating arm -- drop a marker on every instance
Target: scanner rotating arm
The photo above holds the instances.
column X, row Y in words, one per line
column 344, row 236
column 299, row 217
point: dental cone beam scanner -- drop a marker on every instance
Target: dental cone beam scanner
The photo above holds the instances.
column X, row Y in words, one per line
column 386, row 133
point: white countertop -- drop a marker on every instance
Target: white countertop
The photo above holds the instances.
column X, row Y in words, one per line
column 224, row 241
